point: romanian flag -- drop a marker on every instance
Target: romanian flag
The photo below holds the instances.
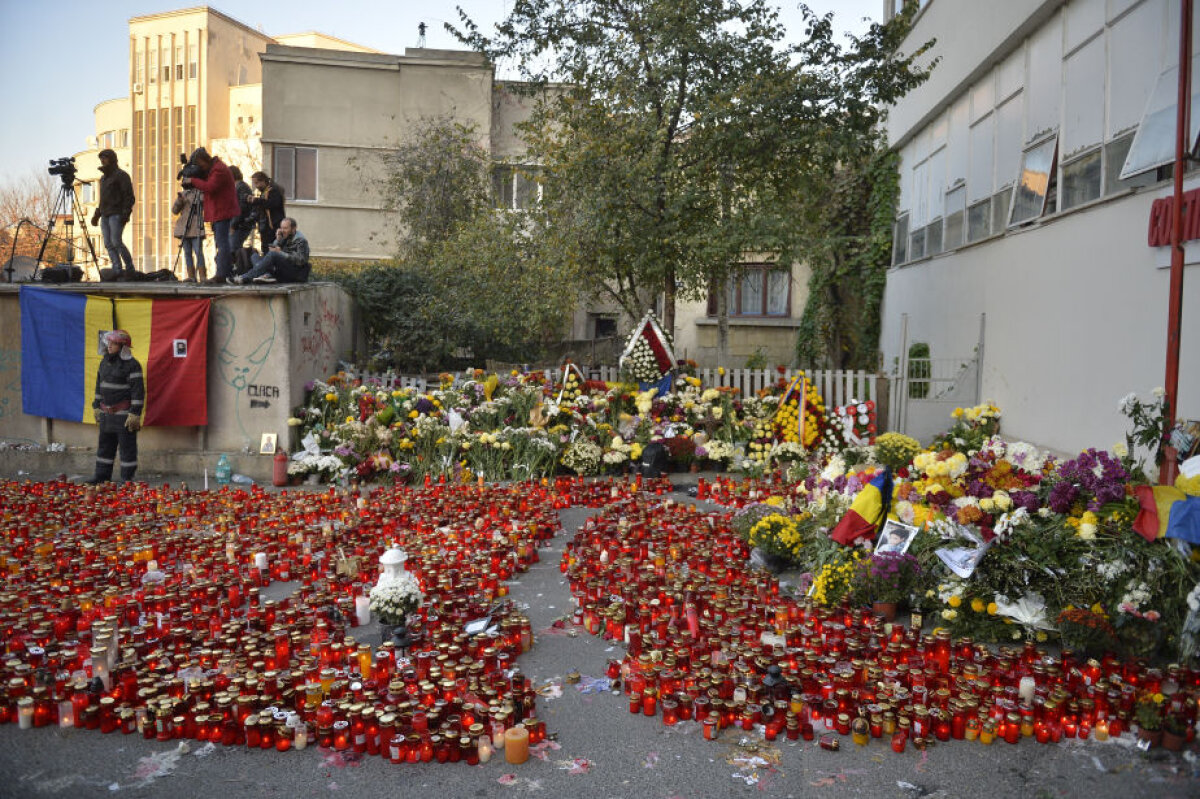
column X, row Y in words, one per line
column 1167, row 511
column 170, row 340
column 60, row 352
column 867, row 512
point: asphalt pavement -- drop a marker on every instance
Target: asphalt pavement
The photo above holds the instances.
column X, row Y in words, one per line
column 599, row 750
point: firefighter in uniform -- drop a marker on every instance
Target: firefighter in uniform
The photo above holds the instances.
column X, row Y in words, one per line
column 120, row 396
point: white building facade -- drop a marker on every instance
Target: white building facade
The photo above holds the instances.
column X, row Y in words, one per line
column 1013, row 210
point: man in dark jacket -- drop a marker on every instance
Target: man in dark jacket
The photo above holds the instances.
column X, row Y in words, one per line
column 287, row 261
column 220, row 206
column 120, row 397
column 114, row 210
column 270, row 208
column 243, row 224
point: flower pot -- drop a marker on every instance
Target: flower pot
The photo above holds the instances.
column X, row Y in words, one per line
column 886, row 610
column 1153, row 737
column 1172, row 742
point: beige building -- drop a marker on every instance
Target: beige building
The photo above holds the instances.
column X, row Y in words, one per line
column 195, row 79
column 329, row 116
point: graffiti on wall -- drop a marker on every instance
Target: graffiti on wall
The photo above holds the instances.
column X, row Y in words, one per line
column 241, row 356
column 317, row 347
column 10, row 383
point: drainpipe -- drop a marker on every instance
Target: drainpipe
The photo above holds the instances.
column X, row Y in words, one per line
column 1170, row 467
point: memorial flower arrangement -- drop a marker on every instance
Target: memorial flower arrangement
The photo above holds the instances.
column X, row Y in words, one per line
column 886, row 577
column 391, row 601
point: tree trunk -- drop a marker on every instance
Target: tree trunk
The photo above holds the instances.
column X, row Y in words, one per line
column 722, row 325
column 668, row 317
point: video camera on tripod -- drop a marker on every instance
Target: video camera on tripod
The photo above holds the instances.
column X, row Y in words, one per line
column 190, row 168
column 64, row 168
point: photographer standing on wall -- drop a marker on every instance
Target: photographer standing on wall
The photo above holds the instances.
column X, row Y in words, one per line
column 213, row 177
column 114, row 210
column 243, row 224
column 269, row 207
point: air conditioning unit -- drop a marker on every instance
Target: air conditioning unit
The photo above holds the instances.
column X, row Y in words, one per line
column 137, row 87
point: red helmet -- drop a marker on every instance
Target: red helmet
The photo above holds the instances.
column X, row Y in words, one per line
column 118, row 337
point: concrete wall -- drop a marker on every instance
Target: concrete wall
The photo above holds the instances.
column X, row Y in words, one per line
column 1076, row 319
column 265, row 344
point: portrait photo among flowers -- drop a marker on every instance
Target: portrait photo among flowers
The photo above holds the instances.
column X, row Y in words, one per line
column 895, row 537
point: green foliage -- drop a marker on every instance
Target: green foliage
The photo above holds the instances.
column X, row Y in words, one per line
column 465, row 275
column 432, row 183
column 849, row 254
column 758, row 360
column 919, row 369
column 692, row 133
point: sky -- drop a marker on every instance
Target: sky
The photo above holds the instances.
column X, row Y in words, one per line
column 61, row 58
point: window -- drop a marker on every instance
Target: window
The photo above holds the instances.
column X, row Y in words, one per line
column 123, row 137
column 933, row 237
column 192, row 66
column 756, row 290
column 979, row 220
column 85, row 193
column 191, row 128
column 916, row 246
column 952, row 234
column 1114, row 158
column 900, row 240
column 604, row 326
column 1081, row 180
column 515, row 187
column 177, row 121
column 138, row 70
column 1000, row 201
column 166, row 64
column 1154, row 144
column 1033, row 182
column 152, row 67
column 178, row 63
column 296, row 172
column 139, row 157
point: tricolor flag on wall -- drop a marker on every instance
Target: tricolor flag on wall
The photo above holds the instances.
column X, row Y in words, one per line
column 867, row 512
column 170, row 339
column 60, row 352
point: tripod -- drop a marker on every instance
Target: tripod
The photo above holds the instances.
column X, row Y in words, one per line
column 195, row 211
column 67, row 205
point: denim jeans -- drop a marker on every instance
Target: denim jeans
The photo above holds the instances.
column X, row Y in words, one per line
column 193, row 248
column 113, row 227
column 224, row 253
column 277, row 265
column 238, row 237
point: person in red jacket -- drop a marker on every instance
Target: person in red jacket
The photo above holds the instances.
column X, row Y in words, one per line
column 220, row 207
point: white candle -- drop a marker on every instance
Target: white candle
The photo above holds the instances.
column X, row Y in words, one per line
column 206, row 479
column 152, row 565
column 25, row 713
column 362, row 609
column 1025, row 690
column 260, row 561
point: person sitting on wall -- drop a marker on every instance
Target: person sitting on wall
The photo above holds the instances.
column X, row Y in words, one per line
column 285, row 262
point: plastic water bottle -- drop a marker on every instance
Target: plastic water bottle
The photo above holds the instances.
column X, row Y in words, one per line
column 223, row 470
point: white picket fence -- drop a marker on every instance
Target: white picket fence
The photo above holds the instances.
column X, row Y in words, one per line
column 837, row 386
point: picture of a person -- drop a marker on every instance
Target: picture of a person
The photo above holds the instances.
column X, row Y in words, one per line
column 893, row 542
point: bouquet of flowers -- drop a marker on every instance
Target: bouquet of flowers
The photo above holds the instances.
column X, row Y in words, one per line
column 582, row 457
column 896, row 450
column 648, row 353
column 393, row 600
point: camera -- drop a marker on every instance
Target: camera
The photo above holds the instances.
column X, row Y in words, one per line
column 64, row 168
column 190, row 169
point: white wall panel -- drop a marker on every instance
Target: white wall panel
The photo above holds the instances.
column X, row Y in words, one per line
column 1083, row 100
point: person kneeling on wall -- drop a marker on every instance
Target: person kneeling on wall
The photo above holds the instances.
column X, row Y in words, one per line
column 285, row 262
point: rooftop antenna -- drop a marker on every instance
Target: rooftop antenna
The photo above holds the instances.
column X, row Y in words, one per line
column 421, row 34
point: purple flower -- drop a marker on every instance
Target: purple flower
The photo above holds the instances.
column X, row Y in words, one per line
column 1096, row 473
column 423, row 405
column 1062, row 497
column 1025, row 499
column 310, row 385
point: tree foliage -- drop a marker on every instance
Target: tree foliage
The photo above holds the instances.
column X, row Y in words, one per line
column 690, row 132
column 466, row 276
